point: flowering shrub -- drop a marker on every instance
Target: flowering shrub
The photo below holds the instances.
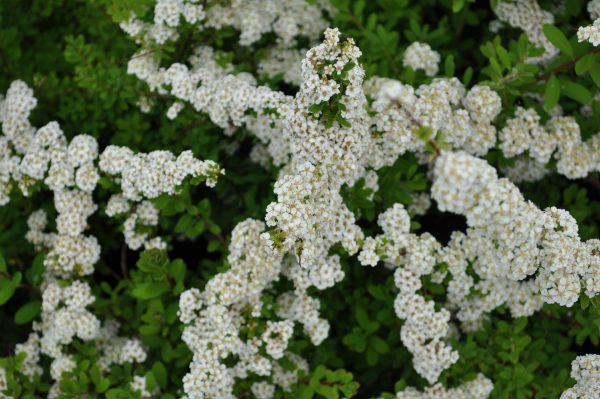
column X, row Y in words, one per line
column 300, row 199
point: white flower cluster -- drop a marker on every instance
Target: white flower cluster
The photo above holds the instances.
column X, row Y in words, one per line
column 479, row 388
column 586, row 371
column 139, row 384
column 230, row 301
column 309, row 213
column 287, row 20
column 528, row 16
column 285, row 62
column 559, row 138
column 420, row 56
column 64, row 316
column 401, row 111
column 528, row 241
column 590, row 33
column 308, row 218
column 508, row 240
column 158, row 172
column 229, row 100
column 593, row 8
column 425, row 329
column 117, row 350
column 31, row 156
column 148, row 176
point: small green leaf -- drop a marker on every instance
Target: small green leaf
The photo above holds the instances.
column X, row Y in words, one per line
column 595, row 73
column 457, row 5
column 177, row 270
column 35, row 274
column 117, row 393
column 7, row 289
column 28, row 312
column 2, row 264
column 449, row 66
column 379, row 345
column 558, row 39
column 576, row 91
column 552, row 93
column 584, row 64
column 504, row 57
column 149, row 290
column 160, row 373
column 584, row 301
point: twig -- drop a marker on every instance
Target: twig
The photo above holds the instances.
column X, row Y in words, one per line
column 354, row 19
column 595, row 183
column 564, row 65
column 124, row 261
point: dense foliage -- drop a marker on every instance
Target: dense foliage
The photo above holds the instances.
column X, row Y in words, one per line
column 317, row 192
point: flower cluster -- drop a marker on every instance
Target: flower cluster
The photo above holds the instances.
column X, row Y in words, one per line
column 309, row 215
column 586, row 371
column 230, row 301
column 420, row 56
column 287, row 20
column 479, row 388
column 528, row 16
column 528, row 241
column 401, row 111
column 71, row 171
column 425, row 328
column 590, row 33
column 243, row 324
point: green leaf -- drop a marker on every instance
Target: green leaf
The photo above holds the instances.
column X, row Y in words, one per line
column 362, row 317
column 552, row 93
column 35, row 273
column 467, row 76
column 449, row 66
column 7, row 289
column 379, row 345
column 595, row 73
column 326, row 391
column 558, row 39
column 316, row 108
column 2, row 264
column 102, row 385
column 28, row 312
column 504, row 57
column 160, row 373
column 306, row 392
column 149, row 290
column 457, row 5
column 584, row 64
column 584, row 301
column 576, row 91
column 147, row 329
column 116, row 393
column 177, row 270
column 152, row 260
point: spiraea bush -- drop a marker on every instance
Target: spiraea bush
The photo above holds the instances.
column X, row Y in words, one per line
column 213, row 199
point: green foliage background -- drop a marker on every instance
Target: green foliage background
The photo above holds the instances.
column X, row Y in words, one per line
column 74, row 55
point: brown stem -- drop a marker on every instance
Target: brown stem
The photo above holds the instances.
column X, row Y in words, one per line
column 595, row 183
column 354, row 19
column 565, row 65
column 21, row 285
column 143, row 54
column 124, row 261
column 219, row 236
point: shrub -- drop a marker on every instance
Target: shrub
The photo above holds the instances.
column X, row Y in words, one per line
column 299, row 199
